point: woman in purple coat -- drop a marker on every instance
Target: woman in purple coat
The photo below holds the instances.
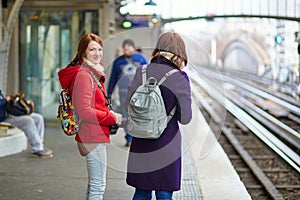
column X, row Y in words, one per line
column 155, row 164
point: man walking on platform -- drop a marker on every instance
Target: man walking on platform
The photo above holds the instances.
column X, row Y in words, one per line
column 122, row 73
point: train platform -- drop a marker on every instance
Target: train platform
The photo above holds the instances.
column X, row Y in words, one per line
column 207, row 172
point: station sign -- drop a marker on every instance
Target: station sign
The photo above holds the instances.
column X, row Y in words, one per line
column 136, row 21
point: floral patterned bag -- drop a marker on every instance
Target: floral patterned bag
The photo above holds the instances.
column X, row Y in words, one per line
column 66, row 114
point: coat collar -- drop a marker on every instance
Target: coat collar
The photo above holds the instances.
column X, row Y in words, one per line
column 88, row 68
column 162, row 60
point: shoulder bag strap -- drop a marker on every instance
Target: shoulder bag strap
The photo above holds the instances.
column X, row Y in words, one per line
column 130, row 61
column 92, row 82
column 101, row 88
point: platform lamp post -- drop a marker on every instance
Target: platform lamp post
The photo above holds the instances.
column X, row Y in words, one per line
column 150, row 3
column 151, row 7
column 154, row 18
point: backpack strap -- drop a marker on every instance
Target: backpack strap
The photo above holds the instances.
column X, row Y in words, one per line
column 171, row 114
column 144, row 75
column 169, row 73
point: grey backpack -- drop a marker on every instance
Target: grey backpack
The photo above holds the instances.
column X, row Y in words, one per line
column 147, row 116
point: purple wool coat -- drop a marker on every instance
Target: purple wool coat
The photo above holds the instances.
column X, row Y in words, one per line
column 155, row 164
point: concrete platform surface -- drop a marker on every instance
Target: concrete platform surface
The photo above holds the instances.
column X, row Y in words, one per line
column 216, row 176
column 65, row 177
column 207, row 172
column 12, row 141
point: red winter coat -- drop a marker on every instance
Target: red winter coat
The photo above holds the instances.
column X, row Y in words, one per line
column 90, row 104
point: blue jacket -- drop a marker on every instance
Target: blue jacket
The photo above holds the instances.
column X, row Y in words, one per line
column 123, row 71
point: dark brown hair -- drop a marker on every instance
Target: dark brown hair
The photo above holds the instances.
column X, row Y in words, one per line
column 83, row 44
column 173, row 43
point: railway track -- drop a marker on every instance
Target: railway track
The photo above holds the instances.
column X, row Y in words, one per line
column 287, row 90
column 268, row 168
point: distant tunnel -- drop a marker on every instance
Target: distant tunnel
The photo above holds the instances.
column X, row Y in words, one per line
column 244, row 55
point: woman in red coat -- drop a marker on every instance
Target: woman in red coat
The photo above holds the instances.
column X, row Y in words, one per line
column 85, row 78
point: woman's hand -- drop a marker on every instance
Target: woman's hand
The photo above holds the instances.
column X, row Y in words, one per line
column 8, row 98
column 118, row 117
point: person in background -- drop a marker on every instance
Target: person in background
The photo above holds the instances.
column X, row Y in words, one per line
column 139, row 49
column 84, row 76
column 122, row 73
column 33, row 127
column 155, row 164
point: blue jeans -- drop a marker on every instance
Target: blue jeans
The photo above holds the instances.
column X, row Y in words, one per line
column 96, row 164
column 33, row 127
column 147, row 195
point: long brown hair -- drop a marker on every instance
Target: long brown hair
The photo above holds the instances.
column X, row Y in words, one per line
column 173, row 43
column 83, row 44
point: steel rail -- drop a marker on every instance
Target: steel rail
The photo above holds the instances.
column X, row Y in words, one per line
column 260, row 131
column 292, row 108
column 217, row 119
column 284, row 91
column 218, row 75
column 283, row 130
column 289, row 131
column 257, row 171
column 260, row 175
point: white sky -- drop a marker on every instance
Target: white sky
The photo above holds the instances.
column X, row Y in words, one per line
column 186, row 8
